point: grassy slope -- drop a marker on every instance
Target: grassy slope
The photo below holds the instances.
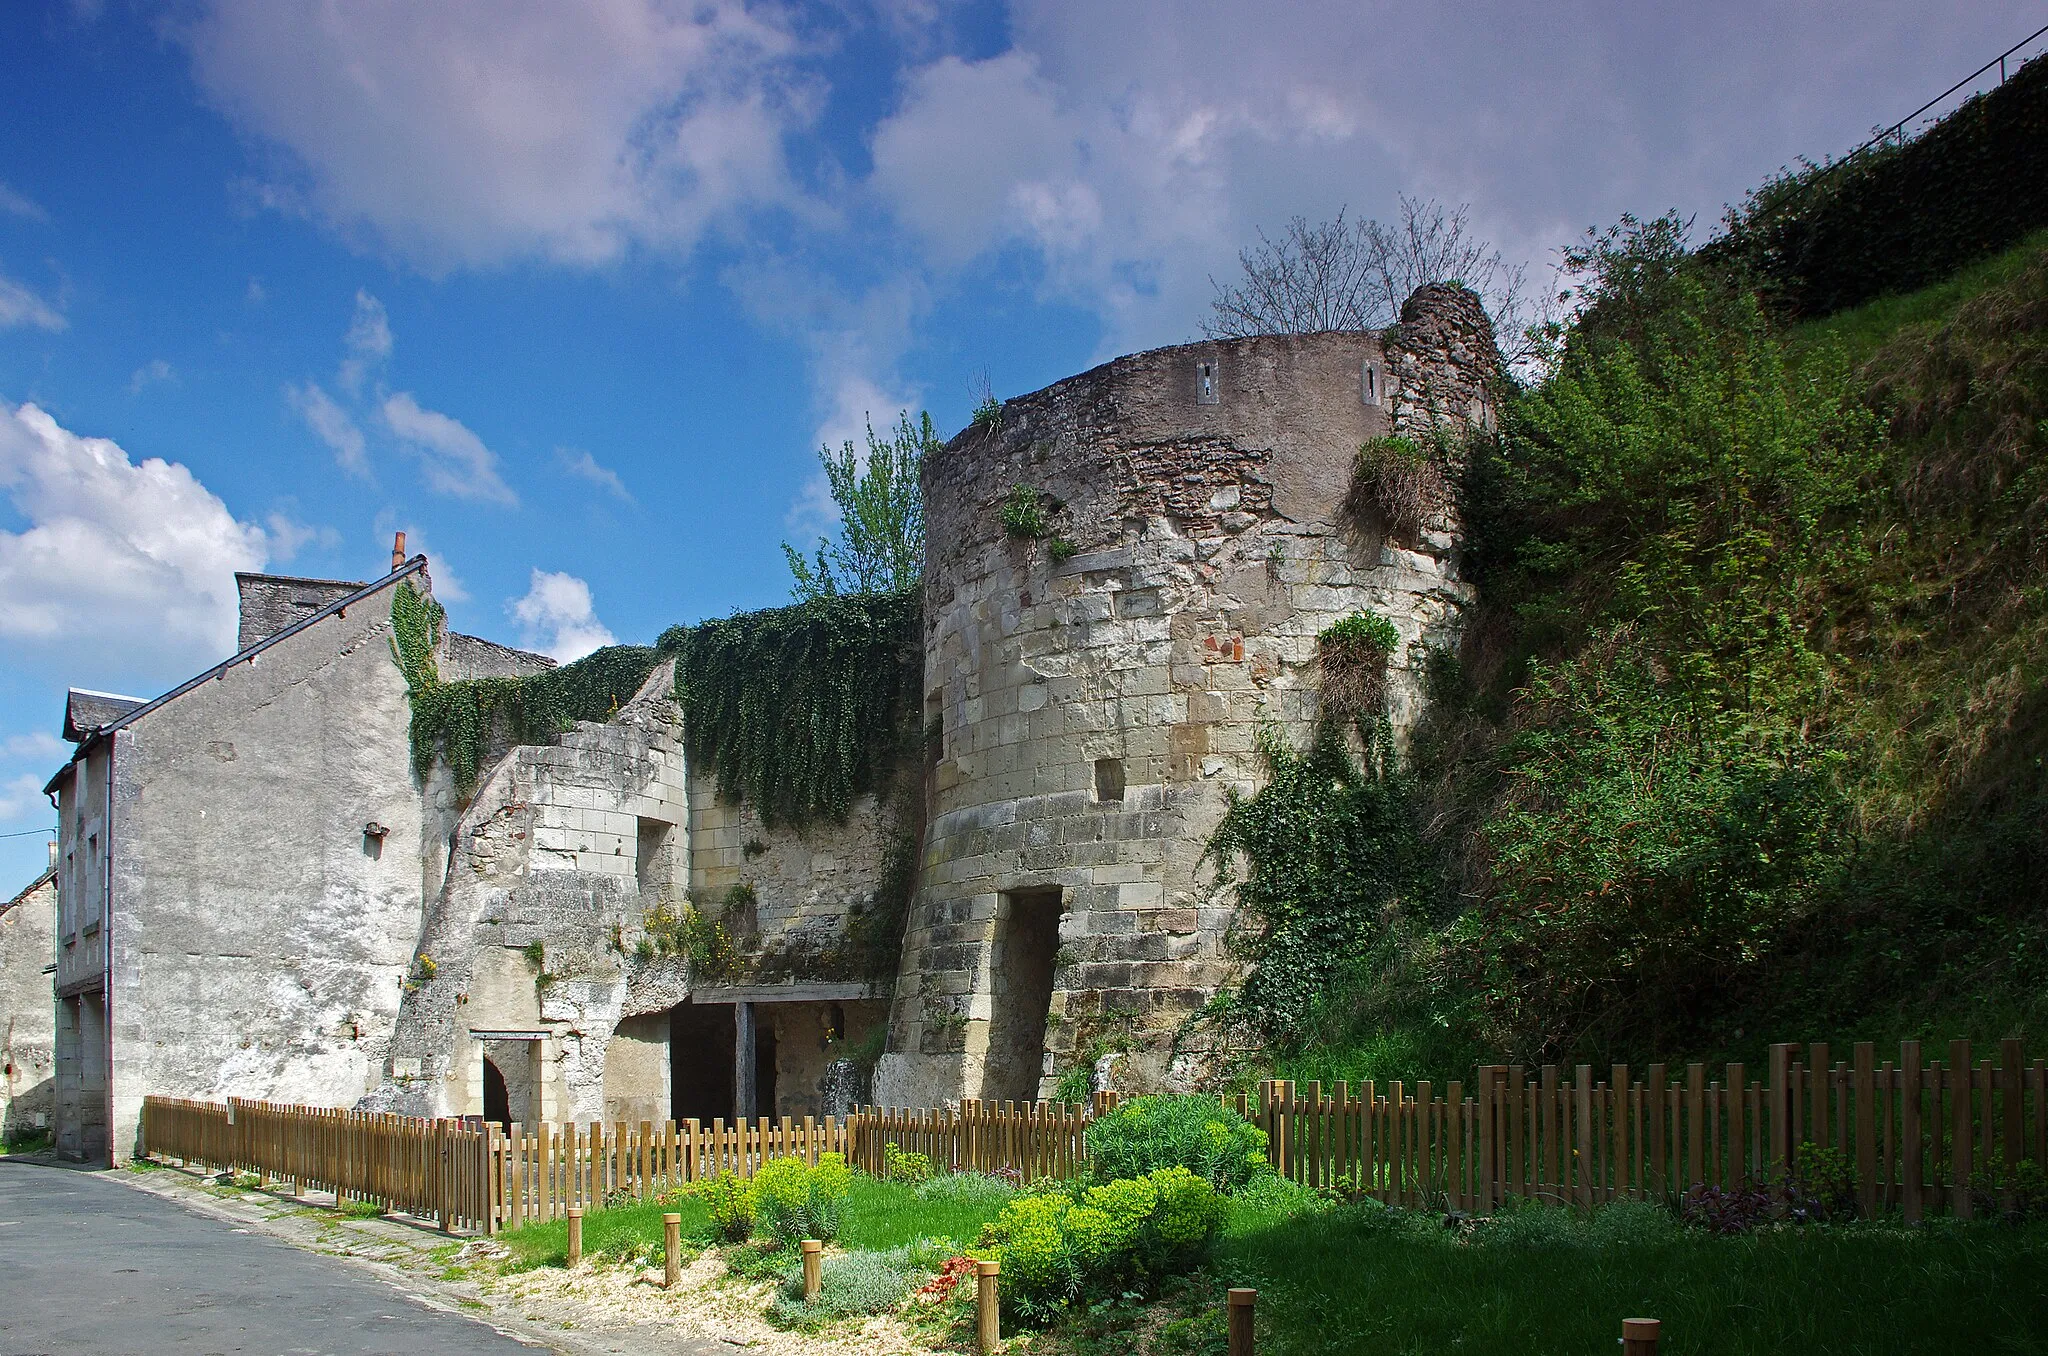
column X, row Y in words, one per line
column 1941, row 645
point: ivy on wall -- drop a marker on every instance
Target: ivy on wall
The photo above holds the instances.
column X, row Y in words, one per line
column 455, row 721
column 800, row 709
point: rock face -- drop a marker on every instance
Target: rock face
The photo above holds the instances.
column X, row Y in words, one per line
column 1101, row 685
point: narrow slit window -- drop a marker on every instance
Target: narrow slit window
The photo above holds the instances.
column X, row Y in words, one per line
column 1206, row 390
column 1369, row 384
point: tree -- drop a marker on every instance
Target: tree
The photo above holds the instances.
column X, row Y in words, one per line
column 880, row 547
column 1339, row 275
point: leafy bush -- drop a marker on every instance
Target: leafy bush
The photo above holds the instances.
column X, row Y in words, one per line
column 795, row 1200
column 1820, row 1189
column 2015, row 1192
column 1196, row 1133
column 1351, row 660
column 901, row 1165
column 853, row 1285
column 1398, row 480
column 730, row 1199
column 1102, row 1242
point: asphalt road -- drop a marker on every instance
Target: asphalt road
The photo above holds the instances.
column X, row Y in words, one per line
column 89, row 1266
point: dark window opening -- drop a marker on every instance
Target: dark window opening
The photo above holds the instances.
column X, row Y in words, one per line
column 764, row 1065
column 700, row 1040
column 1109, row 779
column 1027, row 943
column 497, row 1101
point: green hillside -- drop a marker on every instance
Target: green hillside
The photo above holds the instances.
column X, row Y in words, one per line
column 1745, row 742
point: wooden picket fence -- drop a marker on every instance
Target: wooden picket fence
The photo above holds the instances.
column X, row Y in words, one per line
column 434, row 1169
column 1916, row 1132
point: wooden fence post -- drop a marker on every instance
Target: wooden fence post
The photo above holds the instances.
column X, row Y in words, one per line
column 1242, row 1331
column 814, row 1269
column 1639, row 1336
column 988, row 1317
column 1961, row 1128
column 672, row 1249
column 575, row 1234
column 1912, row 1172
column 1781, row 1146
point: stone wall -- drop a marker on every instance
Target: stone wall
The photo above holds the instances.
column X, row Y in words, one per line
column 259, row 929
column 1098, row 709
column 28, row 1084
column 806, row 884
column 536, row 926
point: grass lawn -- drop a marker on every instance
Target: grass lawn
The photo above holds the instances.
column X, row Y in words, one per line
column 1360, row 1279
column 879, row 1215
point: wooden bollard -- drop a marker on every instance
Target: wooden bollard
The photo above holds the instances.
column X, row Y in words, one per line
column 575, row 1234
column 988, row 1318
column 1243, row 1304
column 1639, row 1336
column 814, row 1268
column 672, row 1250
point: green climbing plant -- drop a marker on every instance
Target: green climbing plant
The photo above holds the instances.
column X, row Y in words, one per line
column 799, row 709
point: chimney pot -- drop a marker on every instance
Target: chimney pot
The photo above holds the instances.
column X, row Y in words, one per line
column 398, row 551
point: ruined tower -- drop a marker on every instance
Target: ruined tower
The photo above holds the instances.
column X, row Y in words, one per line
column 1125, row 577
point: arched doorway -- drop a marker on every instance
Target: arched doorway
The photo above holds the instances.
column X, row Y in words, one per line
column 497, row 1104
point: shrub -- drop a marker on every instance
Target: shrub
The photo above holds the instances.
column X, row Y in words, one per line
column 850, row 1286
column 730, row 1199
column 1197, row 1133
column 1399, row 481
column 1102, row 1242
column 1351, row 660
column 794, row 1199
column 2016, row 1192
column 901, row 1165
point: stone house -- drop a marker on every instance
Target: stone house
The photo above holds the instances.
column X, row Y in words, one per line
column 28, row 1084
column 261, row 894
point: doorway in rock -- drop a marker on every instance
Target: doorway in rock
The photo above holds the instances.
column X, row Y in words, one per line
column 497, row 1102
column 1027, row 941
column 700, row 1041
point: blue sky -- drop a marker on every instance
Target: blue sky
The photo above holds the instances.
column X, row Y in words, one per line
column 572, row 293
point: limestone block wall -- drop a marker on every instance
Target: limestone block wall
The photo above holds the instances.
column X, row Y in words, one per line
column 258, row 932
column 534, row 929
column 28, row 1087
column 807, row 882
column 1097, row 709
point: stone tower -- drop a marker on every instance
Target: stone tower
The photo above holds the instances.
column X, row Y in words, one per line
column 1097, row 688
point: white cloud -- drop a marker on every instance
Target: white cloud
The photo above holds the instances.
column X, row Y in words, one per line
column 581, row 464
column 288, row 537
column 468, row 135
column 332, row 424
column 255, row 295
column 22, row 798
column 368, row 341
column 15, row 204
column 20, row 306
column 38, row 746
column 154, row 371
column 455, row 459
column 556, row 617
column 121, row 564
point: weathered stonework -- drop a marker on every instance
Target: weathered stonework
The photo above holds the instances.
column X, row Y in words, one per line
column 1098, row 710
column 28, row 1081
